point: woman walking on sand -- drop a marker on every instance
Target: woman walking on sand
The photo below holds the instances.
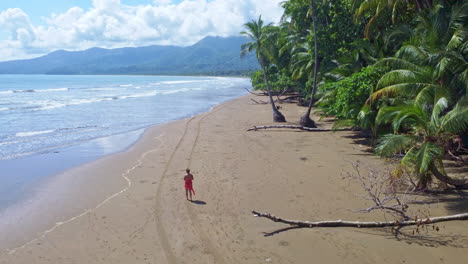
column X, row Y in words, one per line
column 188, row 178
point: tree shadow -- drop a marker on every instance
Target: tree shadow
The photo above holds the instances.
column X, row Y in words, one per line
column 199, row 202
column 267, row 234
column 361, row 137
column 456, row 169
column 424, row 236
column 455, row 201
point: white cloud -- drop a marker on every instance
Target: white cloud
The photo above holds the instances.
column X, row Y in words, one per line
column 110, row 24
column 16, row 21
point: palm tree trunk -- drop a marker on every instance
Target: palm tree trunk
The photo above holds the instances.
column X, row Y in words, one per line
column 277, row 116
column 305, row 120
column 458, row 184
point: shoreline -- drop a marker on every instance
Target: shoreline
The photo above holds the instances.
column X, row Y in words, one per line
column 135, row 209
column 22, row 208
column 46, row 164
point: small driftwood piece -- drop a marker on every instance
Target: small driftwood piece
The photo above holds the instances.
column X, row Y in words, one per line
column 289, row 98
column 257, row 94
column 257, row 102
column 255, row 128
column 341, row 223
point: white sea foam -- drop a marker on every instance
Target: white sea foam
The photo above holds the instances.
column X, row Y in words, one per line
column 126, row 85
column 103, row 89
column 34, row 90
column 88, row 101
column 4, row 109
column 179, row 82
column 182, row 90
column 33, row 133
column 50, row 105
column 47, row 105
column 52, row 90
column 148, row 94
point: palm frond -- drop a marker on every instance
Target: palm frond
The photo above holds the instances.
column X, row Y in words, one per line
column 387, row 114
column 398, row 77
column 440, row 106
column 366, row 117
column 426, row 156
column 411, row 53
column 458, row 38
column 456, row 121
column 397, row 63
column 411, row 115
column 398, row 89
column 409, row 159
column 425, row 96
column 391, row 144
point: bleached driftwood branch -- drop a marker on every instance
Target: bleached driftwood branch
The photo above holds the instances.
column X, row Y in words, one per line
column 255, row 128
column 341, row 223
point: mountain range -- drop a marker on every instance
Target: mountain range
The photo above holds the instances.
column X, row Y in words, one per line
column 209, row 56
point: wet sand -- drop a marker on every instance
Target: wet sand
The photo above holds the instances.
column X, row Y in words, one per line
column 130, row 207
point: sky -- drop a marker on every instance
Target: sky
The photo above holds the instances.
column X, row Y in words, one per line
column 33, row 28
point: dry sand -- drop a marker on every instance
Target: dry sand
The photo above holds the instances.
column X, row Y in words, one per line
column 130, row 207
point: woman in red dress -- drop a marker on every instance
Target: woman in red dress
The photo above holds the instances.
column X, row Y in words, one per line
column 188, row 178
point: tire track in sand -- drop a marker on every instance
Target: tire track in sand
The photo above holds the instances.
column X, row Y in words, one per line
column 162, row 234
column 159, row 225
column 193, row 216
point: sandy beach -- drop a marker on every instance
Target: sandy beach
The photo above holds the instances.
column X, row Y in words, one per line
column 130, row 207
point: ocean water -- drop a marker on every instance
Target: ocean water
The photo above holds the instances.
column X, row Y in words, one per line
column 62, row 121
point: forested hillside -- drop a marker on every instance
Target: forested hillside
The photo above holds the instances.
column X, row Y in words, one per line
column 209, row 56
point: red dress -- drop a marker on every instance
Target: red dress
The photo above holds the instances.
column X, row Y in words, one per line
column 188, row 184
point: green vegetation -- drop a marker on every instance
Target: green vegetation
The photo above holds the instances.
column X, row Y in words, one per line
column 398, row 68
column 345, row 98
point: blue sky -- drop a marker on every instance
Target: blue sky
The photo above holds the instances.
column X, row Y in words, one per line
column 31, row 28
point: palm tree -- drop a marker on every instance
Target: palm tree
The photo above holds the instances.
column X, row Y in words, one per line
column 427, row 87
column 429, row 132
column 304, row 63
column 259, row 41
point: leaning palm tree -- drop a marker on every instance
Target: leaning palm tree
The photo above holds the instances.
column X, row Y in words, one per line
column 304, row 63
column 259, row 41
column 428, row 132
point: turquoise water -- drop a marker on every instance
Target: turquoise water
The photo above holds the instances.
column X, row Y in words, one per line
column 57, row 122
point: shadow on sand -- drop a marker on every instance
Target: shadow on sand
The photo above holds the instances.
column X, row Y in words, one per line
column 267, row 234
column 199, row 202
column 426, row 237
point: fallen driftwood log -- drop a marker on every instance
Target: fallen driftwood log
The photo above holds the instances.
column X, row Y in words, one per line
column 341, row 223
column 255, row 128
